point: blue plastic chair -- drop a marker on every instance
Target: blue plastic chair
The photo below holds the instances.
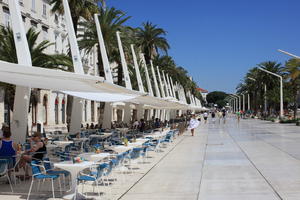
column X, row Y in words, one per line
column 4, row 171
column 38, row 175
column 94, row 176
column 51, row 171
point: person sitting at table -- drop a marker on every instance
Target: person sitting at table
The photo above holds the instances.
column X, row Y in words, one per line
column 157, row 123
column 92, row 126
column 4, row 125
column 135, row 124
column 36, row 152
column 142, row 125
column 8, row 148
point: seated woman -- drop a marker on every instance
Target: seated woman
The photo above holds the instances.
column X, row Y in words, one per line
column 8, row 147
column 36, row 152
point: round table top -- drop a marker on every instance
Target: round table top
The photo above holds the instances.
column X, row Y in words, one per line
column 73, row 167
column 94, row 156
column 62, row 142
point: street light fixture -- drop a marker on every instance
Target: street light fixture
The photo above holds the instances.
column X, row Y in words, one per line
column 230, row 99
column 281, row 88
column 289, row 54
column 238, row 104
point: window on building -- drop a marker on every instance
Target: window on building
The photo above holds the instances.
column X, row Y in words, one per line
column 34, row 24
column 23, row 18
column 21, row 2
column 34, row 113
column 6, row 113
column 63, row 39
column 55, row 41
column 45, row 110
column 91, row 58
column 44, row 10
column 63, row 111
column 56, row 110
column 85, row 111
column 63, row 45
column 56, row 18
column 33, row 5
column 93, row 111
column 6, row 18
column 45, row 32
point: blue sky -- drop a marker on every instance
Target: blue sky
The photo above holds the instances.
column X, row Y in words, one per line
column 217, row 41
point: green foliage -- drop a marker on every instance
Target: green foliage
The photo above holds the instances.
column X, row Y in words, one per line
column 288, row 121
column 150, row 39
column 79, row 8
column 111, row 20
column 217, row 97
column 291, row 86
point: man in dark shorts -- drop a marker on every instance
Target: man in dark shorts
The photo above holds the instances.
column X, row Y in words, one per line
column 224, row 115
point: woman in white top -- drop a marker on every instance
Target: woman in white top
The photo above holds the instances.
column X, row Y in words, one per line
column 194, row 123
column 205, row 116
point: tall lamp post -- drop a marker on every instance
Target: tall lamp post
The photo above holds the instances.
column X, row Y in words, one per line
column 230, row 101
column 281, row 88
column 243, row 102
column 249, row 107
column 237, row 102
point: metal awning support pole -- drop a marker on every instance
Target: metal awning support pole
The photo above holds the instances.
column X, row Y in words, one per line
column 19, row 123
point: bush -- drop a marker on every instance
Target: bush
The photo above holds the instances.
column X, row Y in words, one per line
column 271, row 119
column 287, row 121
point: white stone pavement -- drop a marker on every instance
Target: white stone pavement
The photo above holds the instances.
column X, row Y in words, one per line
column 252, row 160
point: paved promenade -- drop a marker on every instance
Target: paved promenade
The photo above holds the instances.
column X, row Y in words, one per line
column 252, row 160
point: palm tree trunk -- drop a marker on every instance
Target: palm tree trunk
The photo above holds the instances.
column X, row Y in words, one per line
column 100, row 64
column 120, row 74
column 75, row 23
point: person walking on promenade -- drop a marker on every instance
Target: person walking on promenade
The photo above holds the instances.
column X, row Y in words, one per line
column 205, row 116
column 194, row 123
column 224, row 115
column 219, row 116
column 238, row 116
column 213, row 117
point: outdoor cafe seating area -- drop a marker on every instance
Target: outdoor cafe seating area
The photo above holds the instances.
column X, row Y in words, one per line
column 89, row 164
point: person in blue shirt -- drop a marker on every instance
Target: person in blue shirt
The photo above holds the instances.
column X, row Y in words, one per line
column 8, row 148
column 157, row 123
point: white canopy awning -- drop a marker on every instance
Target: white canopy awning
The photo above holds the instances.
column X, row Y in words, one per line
column 104, row 97
column 84, row 86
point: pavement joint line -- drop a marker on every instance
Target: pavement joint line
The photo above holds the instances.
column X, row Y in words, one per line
column 183, row 138
column 274, row 146
column 202, row 167
column 267, row 181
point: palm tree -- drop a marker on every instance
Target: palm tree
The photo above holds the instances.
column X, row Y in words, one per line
column 38, row 56
column 292, row 74
column 111, row 21
column 79, row 8
column 151, row 39
column 256, row 88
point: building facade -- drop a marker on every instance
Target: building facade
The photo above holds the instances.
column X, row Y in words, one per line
column 48, row 107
